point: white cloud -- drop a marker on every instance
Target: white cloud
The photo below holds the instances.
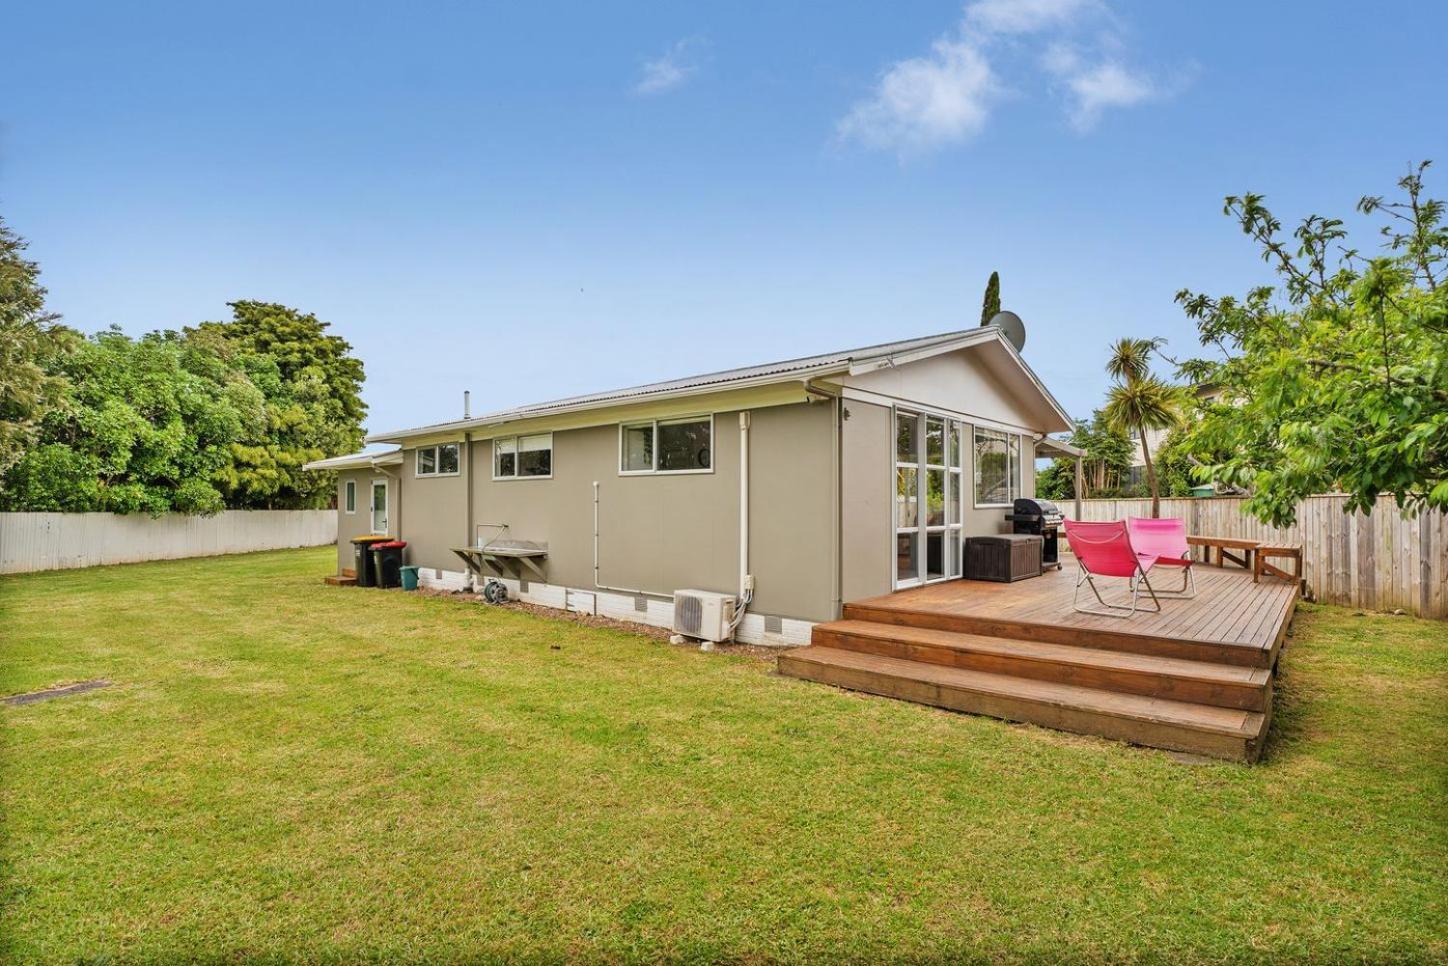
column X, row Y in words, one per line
column 1061, row 58
column 948, row 95
column 668, row 71
column 1107, row 85
column 1024, row 16
column 925, row 102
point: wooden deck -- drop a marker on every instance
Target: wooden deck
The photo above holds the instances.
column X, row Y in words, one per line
column 1231, row 619
column 1196, row 677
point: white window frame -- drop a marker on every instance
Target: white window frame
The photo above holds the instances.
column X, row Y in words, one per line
column 655, row 424
column 517, row 453
column 955, row 497
column 349, row 497
column 896, row 530
column 1013, row 467
column 386, row 507
column 952, row 529
column 436, row 450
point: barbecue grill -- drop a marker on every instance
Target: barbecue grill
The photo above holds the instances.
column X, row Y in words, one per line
column 1043, row 518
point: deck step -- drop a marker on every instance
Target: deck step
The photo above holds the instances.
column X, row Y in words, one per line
column 1157, row 722
column 1121, row 635
column 1198, row 682
column 340, row 580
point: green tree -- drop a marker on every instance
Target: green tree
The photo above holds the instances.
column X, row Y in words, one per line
column 1105, row 461
column 144, row 425
column 1140, row 401
column 1175, row 467
column 29, row 339
column 1339, row 379
column 991, row 305
column 312, row 388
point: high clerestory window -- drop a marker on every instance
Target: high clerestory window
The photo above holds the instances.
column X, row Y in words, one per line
column 440, row 460
column 682, row 445
column 523, row 457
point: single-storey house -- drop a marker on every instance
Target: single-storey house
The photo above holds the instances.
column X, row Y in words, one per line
column 796, row 486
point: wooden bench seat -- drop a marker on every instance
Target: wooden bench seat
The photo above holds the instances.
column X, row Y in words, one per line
column 1283, row 552
column 1224, row 547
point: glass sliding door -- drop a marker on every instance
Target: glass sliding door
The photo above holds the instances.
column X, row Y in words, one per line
column 927, row 498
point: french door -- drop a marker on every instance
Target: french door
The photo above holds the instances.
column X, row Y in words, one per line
column 927, row 498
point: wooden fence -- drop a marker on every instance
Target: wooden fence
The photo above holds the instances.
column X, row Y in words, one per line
column 57, row 541
column 1377, row 561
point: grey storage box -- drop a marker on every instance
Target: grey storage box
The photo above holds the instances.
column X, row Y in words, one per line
column 1004, row 557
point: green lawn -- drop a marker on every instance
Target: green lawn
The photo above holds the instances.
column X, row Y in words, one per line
column 287, row 770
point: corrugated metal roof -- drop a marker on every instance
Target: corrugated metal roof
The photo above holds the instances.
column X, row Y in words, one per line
column 356, row 460
column 828, row 360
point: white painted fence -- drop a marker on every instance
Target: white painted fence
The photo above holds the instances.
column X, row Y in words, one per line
column 58, row 541
column 1380, row 561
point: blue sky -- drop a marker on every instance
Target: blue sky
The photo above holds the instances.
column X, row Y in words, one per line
column 533, row 200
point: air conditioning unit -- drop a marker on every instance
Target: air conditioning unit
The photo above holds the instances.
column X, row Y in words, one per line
column 703, row 614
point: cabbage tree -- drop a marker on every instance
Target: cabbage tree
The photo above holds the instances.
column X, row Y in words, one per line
column 1139, row 401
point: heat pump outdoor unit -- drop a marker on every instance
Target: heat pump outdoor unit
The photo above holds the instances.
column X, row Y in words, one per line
column 703, row 614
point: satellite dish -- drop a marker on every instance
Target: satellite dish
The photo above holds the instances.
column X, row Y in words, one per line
column 1011, row 327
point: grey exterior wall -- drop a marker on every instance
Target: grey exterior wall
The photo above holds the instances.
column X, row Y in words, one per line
column 867, row 462
column 792, row 510
column 661, row 533
column 867, row 498
column 958, row 382
column 434, row 513
column 359, row 524
column 1028, row 466
column 961, row 381
column 657, row 533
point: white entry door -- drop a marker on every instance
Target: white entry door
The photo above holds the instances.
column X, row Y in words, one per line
column 379, row 506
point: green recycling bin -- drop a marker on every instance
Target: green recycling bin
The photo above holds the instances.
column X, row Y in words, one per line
column 409, row 577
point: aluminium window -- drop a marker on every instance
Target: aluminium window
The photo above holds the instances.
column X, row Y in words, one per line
column 682, row 445
column 997, row 467
column 440, row 460
column 349, row 499
column 927, row 513
column 523, row 457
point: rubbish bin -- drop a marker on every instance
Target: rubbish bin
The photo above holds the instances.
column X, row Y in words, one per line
column 409, row 577
column 362, row 559
column 387, row 562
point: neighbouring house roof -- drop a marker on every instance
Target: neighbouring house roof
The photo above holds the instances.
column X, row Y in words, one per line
column 357, row 461
column 855, row 360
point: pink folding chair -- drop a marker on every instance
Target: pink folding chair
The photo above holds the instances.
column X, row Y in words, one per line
column 1167, row 538
column 1105, row 550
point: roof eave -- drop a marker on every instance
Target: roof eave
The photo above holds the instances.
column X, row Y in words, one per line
column 1067, row 422
column 873, row 363
column 495, row 419
column 985, row 334
column 354, row 461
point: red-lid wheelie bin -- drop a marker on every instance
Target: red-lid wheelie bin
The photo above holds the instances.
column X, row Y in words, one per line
column 362, row 563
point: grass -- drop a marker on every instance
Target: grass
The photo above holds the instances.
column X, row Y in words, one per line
column 284, row 770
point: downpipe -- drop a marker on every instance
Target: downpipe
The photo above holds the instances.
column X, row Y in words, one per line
column 746, row 579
